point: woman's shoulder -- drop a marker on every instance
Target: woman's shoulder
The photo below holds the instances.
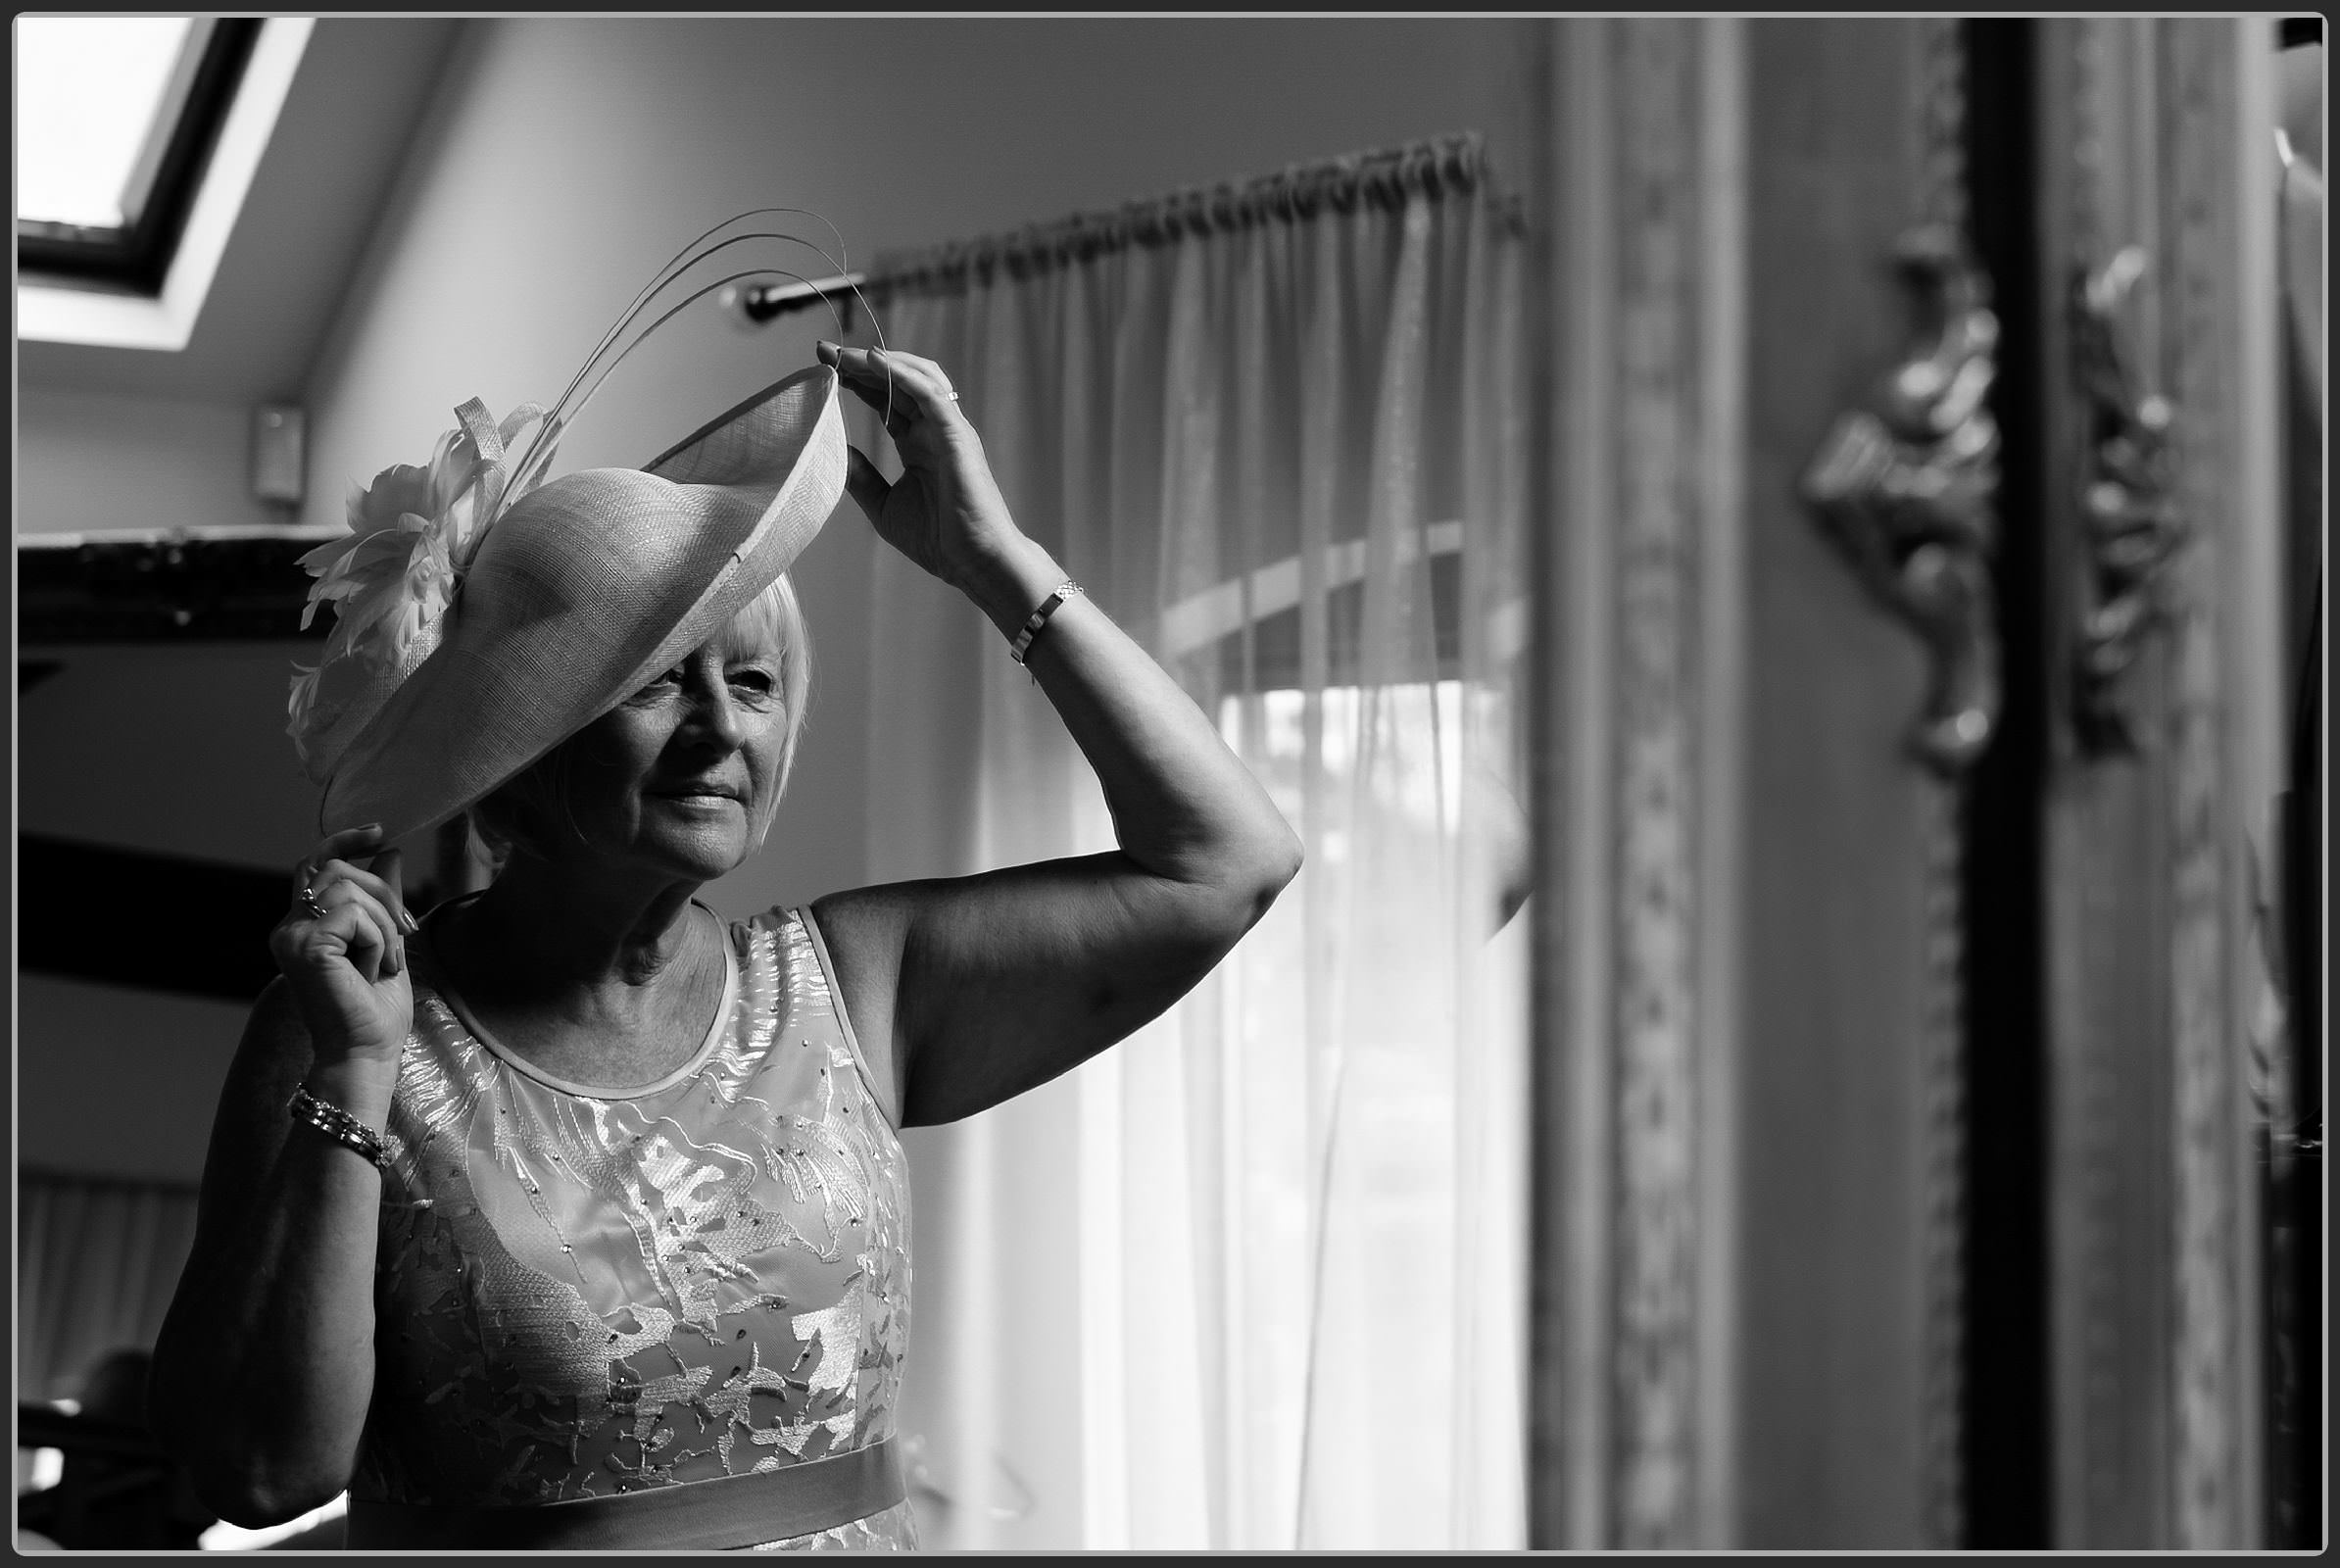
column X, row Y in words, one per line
column 780, row 932
column 817, row 961
column 780, row 917
column 787, row 933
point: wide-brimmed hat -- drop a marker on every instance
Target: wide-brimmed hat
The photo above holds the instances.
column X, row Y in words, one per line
column 485, row 613
column 582, row 593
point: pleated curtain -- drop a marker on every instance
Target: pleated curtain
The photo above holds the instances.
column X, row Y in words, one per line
column 1270, row 1252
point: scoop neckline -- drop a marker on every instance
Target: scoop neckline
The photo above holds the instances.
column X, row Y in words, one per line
column 518, row 1063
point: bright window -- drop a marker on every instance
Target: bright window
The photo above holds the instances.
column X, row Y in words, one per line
column 116, row 119
column 90, row 94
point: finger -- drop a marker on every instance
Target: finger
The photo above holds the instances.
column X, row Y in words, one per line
column 386, row 943
column 348, row 842
column 390, row 866
column 907, row 365
column 856, row 368
column 354, row 933
column 383, row 888
column 304, row 941
column 866, row 380
column 926, row 382
column 304, row 896
column 877, row 376
column 384, row 894
column 866, row 484
column 365, row 944
column 372, row 939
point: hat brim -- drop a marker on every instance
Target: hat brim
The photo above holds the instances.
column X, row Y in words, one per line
column 587, row 588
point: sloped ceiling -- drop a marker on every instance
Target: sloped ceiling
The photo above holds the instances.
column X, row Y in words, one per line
column 362, row 91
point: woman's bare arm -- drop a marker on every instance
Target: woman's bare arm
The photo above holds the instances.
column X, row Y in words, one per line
column 264, row 1370
column 985, row 986
column 265, row 1366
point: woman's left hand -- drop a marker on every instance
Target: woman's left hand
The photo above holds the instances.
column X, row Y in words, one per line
column 945, row 512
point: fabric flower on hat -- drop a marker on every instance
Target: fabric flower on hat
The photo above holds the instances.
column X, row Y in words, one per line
column 392, row 577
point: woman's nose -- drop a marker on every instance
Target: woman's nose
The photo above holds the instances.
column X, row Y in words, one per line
column 715, row 717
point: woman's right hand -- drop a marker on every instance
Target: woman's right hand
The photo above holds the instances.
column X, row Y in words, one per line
column 347, row 967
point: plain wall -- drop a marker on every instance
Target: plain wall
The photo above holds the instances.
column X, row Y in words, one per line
column 91, row 461
column 120, row 1082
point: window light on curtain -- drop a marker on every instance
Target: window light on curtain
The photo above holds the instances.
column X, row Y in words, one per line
column 1266, row 1259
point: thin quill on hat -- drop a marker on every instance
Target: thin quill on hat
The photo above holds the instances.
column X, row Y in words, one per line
column 680, row 261
column 539, row 453
column 677, row 264
column 532, row 463
column 685, row 303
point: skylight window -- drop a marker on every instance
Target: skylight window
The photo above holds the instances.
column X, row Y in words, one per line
column 89, row 91
column 116, row 119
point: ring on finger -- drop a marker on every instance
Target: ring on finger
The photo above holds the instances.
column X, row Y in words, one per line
column 314, row 909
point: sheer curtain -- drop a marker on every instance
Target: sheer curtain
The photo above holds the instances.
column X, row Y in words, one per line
column 1256, row 1277
column 97, row 1261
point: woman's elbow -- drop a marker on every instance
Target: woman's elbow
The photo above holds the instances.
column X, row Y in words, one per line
column 249, row 1479
column 1282, row 862
column 1211, row 903
column 1268, row 868
column 254, row 1496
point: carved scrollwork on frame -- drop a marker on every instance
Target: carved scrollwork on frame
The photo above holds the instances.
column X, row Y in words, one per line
column 1907, row 490
column 2130, row 515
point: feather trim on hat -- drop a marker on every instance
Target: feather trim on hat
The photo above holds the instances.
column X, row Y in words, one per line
column 392, row 577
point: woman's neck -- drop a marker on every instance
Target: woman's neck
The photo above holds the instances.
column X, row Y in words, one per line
column 547, row 930
column 584, row 977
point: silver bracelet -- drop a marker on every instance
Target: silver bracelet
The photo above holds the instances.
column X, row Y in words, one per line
column 339, row 1125
column 1040, row 618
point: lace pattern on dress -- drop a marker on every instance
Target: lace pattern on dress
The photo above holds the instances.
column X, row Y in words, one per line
column 578, row 1295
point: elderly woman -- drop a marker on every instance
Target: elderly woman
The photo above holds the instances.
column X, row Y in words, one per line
column 574, row 1215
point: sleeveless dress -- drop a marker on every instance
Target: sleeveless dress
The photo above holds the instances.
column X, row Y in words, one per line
column 581, row 1293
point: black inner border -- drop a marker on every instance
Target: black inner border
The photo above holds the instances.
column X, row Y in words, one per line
column 2007, row 1454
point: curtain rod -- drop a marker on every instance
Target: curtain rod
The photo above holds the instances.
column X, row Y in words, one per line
column 1433, row 168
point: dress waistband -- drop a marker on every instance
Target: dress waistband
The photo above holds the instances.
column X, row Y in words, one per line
column 795, row 1500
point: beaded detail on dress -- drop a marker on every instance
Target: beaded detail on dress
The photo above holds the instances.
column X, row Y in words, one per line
column 581, row 1293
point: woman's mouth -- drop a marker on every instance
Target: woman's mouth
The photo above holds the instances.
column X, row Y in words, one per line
column 698, row 792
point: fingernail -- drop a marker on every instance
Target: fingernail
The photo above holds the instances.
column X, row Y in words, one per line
column 406, row 918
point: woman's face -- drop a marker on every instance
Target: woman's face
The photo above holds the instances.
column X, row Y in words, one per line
column 680, row 777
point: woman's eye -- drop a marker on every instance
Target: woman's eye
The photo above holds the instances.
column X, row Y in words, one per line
column 758, row 681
